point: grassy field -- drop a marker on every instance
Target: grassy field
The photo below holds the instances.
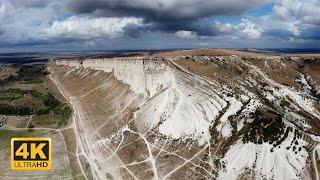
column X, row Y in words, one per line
column 24, row 92
column 61, row 165
column 69, row 137
column 6, row 135
column 7, row 71
column 27, row 108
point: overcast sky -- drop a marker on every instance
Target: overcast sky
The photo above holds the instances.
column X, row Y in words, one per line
column 71, row 25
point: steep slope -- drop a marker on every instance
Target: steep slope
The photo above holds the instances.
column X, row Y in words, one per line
column 192, row 117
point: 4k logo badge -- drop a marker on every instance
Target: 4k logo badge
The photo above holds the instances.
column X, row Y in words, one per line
column 31, row 154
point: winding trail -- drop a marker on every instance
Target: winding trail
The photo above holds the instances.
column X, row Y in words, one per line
column 315, row 161
column 76, row 114
column 82, row 119
column 30, row 119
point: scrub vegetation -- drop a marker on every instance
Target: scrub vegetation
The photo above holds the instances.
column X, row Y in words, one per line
column 24, row 93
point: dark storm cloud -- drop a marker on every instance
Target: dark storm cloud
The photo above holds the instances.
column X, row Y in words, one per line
column 165, row 15
column 163, row 9
column 40, row 42
column 280, row 33
column 134, row 30
column 313, row 34
column 308, row 34
column 27, row 42
column 201, row 27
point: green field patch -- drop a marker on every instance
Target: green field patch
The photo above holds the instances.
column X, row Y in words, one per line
column 6, row 135
column 26, row 94
column 34, row 102
column 26, row 75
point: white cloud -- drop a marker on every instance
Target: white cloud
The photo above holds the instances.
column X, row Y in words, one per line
column 296, row 16
column 90, row 28
column 226, row 28
column 294, row 27
column 48, row 22
column 5, row 8
column 23, row 25
column 186, row 34
column 249, row 29
column 31, row 24
column 246, row 29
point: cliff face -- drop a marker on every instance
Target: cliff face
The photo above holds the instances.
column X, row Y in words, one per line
column 213, row 116
column 142, row 77
column 183, row 104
